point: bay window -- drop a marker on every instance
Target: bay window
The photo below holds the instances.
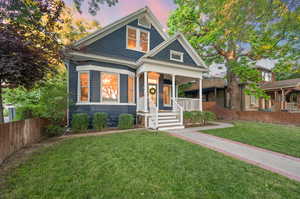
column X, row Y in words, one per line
column 83, row 93
column 109, row 87
column 130, row 89
column 167, row 95
column 137, row 39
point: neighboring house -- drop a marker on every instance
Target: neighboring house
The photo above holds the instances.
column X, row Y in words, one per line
column 215, row 90
column 132, row 66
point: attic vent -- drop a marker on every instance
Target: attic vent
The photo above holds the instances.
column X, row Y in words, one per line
column 144, row 22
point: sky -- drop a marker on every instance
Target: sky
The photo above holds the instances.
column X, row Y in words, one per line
column 107, row 15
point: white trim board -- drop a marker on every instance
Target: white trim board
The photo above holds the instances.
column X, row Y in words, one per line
column 104, row 69
column 77, row 55
column 98, row 34
column 108, row 104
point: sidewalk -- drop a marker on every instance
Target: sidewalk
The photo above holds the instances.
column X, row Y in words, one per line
column 278, row 163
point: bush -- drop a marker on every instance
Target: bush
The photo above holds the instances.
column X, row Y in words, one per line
column 197, row 117
column 208, row 116
column 187, row 117
column 54, row 130
column 126, row 121
column 100, row 121
column 80, row 122
column 26, row 112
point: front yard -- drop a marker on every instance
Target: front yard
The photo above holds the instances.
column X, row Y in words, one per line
column 141, row 164
column 279, row 138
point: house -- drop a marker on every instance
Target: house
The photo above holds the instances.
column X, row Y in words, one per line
column 132, row 66
column 215, row 90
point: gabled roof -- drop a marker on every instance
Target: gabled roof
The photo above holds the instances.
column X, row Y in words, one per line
column 100, row 33
column 290, row 83
column 186, row 45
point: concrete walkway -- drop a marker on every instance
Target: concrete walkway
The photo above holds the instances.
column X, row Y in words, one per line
column 276, row 162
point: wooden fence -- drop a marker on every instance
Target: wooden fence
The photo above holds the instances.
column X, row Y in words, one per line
column 15, row 135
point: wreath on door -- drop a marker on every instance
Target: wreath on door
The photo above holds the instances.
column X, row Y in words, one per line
column 152, row 91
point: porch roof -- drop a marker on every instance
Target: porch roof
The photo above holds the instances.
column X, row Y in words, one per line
column 290, row 83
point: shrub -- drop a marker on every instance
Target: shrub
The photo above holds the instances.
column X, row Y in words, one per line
column 187, row 117
column 26, row 112
column 54, row 130
column 197, row 117
column 80, row 122
column 208, row 116
column 125, row 121
column 100, row 121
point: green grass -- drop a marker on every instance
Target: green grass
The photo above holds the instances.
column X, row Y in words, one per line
column 141, row 165
column 279, row 138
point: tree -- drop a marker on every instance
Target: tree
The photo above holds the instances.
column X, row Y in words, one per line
column 29, row 47
column 94, row 5
column 238, row 33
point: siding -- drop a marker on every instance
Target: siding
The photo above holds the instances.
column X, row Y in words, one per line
column 164, row 55
column 114, row 44
column 113, row 110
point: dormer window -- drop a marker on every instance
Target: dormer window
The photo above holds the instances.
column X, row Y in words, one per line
column 138, row 39
column 267, row 76
column 176, row 56
column 143, row 21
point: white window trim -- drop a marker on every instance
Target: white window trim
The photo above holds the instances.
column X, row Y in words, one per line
column 79, row 87
column 176, row 53
column 168, row 105
column 134, row 99
column 138, row 33
column 101, row 98
column 145, row 26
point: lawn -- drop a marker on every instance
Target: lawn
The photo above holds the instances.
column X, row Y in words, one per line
column 138, row 165
column 279, row 138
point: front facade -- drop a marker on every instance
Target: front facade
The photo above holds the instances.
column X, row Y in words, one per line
column 132, row 66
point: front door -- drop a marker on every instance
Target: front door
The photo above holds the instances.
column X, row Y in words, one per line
column 152, row 90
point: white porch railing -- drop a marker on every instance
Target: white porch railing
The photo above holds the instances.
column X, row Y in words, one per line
column 178, row 108
column 141, row 104
column 292, row 107
column 189, row 104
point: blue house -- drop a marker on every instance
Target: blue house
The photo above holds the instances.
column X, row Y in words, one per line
column 132, row 66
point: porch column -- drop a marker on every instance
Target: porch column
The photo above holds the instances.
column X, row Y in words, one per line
column 137, row 92
column 282, row 100
column 173, row 91
column 146, row 91
column 200, row 93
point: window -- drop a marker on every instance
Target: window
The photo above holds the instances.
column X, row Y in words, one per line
column 143, row 21
column 167, row 94
column 130, row 89
column 176, row 56
column 110, row 87
column 266, row 76
column 83, row 93
column 253, row 100
column 137, row 39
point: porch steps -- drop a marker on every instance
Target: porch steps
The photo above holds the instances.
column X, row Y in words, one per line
column 169, row 120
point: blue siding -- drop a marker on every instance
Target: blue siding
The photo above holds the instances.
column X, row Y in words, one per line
column 164, row 55
column 95, row 86
column 113, row 110
column 123, row 88
column 114, row 44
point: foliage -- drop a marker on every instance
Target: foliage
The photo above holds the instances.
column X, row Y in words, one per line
column 73, row 27
column 100, row 121
column 54, row 130
column 29, row 47
column 182, row 88
column 26, row 112
column 198, row 117
column 47, row 99
column 122, row 165
column 126, row 121
column 80, row 122
column 94, row 5
column 238, row 33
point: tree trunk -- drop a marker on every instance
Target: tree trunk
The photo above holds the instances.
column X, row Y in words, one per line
column 1, row 106
column 233, row 88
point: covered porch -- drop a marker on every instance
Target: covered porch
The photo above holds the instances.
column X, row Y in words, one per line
column 158, row 90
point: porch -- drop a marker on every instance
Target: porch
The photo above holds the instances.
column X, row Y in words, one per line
column 158, row 100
